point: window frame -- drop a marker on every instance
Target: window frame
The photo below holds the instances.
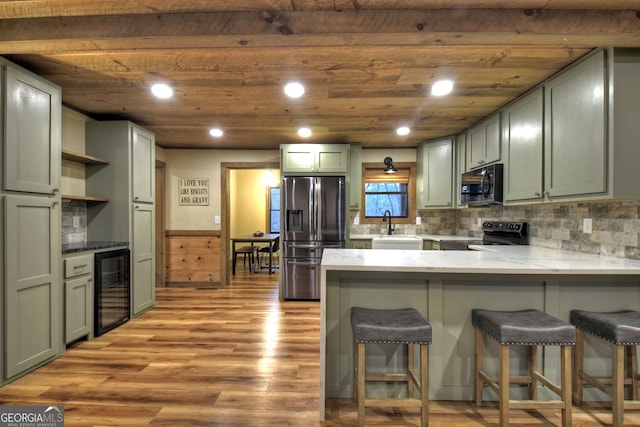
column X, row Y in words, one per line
column 270, row 211
column 369, row 168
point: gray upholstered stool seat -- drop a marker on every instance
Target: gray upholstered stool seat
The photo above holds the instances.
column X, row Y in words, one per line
column 621, row 329
column 402, row 326
column 525, row 327
column 531, row 328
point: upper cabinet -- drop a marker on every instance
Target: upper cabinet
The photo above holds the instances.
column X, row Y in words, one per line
column 32, row 133
column 483, row 142
column 142, row 172
column 355, row 176
column 576, row 137
column 435, row 175
column 314, row 158
column 576, row 130
column 523, row 134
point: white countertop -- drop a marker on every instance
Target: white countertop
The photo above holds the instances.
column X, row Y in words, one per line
column 489, row 260
column 434, row 237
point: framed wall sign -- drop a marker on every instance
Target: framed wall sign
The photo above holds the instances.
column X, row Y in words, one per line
column 193, row 191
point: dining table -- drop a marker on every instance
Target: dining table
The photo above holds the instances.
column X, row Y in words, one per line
column 269, row 238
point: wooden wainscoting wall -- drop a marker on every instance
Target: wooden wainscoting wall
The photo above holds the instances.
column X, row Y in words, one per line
column 192, row 257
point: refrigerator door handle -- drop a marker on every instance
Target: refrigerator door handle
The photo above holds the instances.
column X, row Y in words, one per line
column 311, row 246
column 311, row 262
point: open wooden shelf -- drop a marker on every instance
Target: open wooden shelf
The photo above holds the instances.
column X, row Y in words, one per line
column 83, row 158
column 85, row 198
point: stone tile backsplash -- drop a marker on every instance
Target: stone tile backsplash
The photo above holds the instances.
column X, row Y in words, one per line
column 73, row 210
column 615, row 225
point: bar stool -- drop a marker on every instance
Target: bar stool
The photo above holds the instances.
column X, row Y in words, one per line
column 531, row 328
column 402, row 326
column 622, row 330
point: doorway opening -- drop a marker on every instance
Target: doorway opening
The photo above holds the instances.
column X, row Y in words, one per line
column 227, row 210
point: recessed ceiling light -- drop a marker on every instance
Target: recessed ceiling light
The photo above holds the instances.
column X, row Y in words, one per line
column 403, row 130
column 294, row 90
column 216, row 132
column 442, row 87
column 162, row 91
column 304, row 132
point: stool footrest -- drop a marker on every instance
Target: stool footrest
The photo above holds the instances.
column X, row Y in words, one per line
column 536, row 404
column 394, row 403
column 387, row 377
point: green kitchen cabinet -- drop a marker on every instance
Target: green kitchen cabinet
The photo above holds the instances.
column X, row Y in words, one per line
column 355, row 176
column 78, row 296
column 129, row 184
column 576, row 130
column 434, row 174
column 314, row 158
column 360, row 243
column 31, row 293
column 483, row 142
column 143, row 258
column 575, row 136
column 523, row 136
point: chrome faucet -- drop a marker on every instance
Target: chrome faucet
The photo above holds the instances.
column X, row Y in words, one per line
column 384, row 219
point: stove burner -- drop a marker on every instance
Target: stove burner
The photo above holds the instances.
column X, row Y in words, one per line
column 505, row 233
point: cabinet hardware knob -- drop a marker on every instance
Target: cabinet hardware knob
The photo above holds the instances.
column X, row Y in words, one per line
column 546, row 193
column 137, row 207
column 537, row 194
column 136, row 197
column 55, row 190
column 54, row 204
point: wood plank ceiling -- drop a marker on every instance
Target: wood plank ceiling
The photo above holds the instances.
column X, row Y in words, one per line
column 367, row 65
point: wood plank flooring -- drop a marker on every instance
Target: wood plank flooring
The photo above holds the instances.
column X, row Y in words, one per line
column 233, row 356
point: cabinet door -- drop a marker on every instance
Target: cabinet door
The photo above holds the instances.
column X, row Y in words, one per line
column 360, row 243
column 143, row 165
column 436, row 187
column 523, row 139
column 78, row 308
column 298, row 158
column 575, row 130
column 483, row 142
column 32, row 146
column 332, row 158
column 355, row 176
column 33, row 303
column 143, row 284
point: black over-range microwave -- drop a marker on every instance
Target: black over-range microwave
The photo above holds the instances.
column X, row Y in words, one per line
column 482, row 186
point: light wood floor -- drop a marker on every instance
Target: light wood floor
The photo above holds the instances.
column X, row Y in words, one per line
column 234, row 356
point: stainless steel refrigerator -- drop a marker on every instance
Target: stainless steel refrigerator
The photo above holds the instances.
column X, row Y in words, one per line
column 313, row 211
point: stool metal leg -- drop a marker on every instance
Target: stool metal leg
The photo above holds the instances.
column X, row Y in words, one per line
column 479, row 365
column 424, row 385
column 617, row 396
column 504, row 385
column 355, row 373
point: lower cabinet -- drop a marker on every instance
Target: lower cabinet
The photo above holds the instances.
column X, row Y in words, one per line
column 143, row 270
column 78, row 297
column 360, row 243
column 32, row 291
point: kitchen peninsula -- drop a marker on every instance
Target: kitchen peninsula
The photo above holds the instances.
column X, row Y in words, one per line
column 444, row 286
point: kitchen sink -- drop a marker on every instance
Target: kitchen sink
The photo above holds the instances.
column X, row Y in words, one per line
column 397, row 242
